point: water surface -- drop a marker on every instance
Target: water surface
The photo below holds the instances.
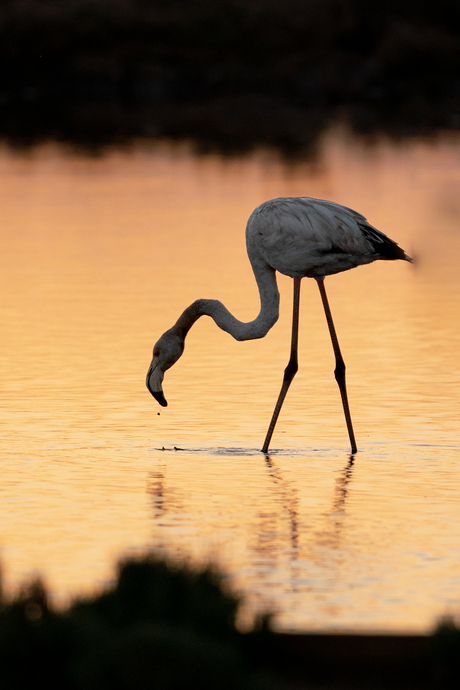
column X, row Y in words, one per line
column 100, row 256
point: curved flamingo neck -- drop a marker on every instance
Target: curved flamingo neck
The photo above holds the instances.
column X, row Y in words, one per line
column 258, row 328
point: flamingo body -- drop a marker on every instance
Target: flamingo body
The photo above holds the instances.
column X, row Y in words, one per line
column 311, row 238
column 300, row 237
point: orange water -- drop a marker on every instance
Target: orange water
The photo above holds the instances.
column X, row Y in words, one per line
column 99, row 257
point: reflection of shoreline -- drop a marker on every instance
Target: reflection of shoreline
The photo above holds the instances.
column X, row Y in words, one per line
column 229, row 124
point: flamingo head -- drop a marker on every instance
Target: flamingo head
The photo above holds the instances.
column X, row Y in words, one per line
column 166, row 352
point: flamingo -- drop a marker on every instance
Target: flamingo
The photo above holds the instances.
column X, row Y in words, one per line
column 300, row 237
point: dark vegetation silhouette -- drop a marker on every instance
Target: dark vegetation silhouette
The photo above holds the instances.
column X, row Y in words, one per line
column 230, row 74
column 167, row 626
column 159, row 626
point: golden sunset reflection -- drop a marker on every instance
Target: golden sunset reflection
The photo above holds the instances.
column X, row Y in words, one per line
column 100, row 256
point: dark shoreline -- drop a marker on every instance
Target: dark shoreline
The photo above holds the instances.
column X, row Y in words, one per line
column 163, row 624
column 355, row 661
column 231, row 76
column 230, row 125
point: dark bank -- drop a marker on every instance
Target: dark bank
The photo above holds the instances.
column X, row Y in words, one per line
column 230, row 75
column 164, row 625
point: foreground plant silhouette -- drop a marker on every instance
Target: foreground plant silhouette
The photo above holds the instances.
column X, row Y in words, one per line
column 169, row 627
column 159, row 626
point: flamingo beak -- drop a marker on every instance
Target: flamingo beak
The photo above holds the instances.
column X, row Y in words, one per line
column 154, row 380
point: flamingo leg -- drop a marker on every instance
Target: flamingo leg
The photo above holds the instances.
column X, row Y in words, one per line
column 339, row 366
column 291, row 368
